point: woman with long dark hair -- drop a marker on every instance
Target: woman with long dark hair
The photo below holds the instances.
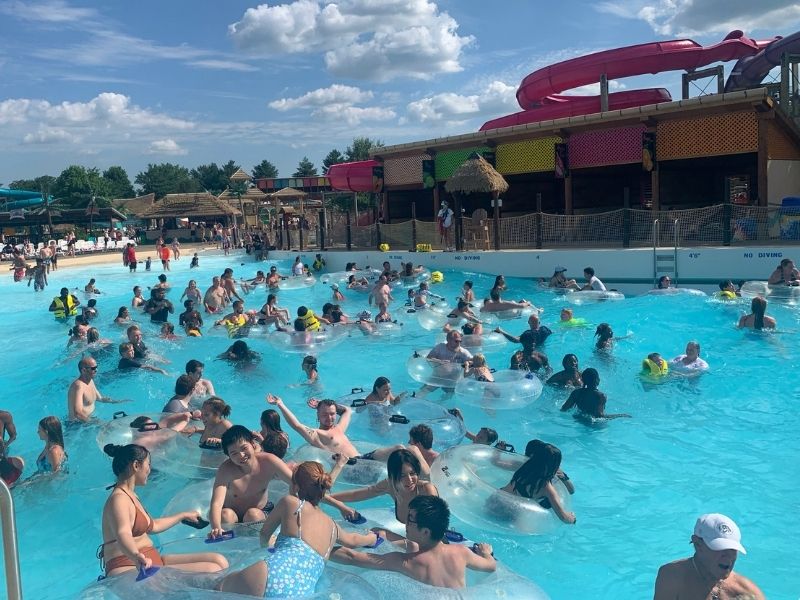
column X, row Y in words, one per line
column 52, row 458
column 757, row 319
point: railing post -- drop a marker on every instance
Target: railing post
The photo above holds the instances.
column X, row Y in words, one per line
column 349, row 232
column 10, row 548
column 626, row 228
column 300, row 230
column 538, row 220
column 322, row 225
column 726, row 224
column 280, row 233
column 413, row 227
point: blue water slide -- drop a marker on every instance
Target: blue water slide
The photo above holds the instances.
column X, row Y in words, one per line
column 16, row 199
column 750, row 71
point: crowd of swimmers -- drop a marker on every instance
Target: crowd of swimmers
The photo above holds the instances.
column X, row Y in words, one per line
column 255, row 456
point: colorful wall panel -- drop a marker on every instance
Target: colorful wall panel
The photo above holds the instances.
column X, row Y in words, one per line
column 406, row 170
column 779, row 145
column 447, row 162
column 607, row 147
column 529, row 156
column 734, row 133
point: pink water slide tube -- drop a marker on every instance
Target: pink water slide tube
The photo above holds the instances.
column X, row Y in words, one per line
column 352, row 176
column 538, row 94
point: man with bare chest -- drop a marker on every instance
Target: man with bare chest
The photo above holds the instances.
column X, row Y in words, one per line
column 83, row 393
column 240, row 487
column 330, row 435
column 215, row 297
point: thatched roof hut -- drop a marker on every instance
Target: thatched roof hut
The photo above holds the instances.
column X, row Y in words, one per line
column 134, row 206
column 190, row 206
column 476, row 175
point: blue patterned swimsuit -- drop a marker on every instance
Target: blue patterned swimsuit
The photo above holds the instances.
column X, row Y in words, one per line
column 295, row 567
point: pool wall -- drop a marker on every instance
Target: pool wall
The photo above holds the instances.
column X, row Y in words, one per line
column 703, row 265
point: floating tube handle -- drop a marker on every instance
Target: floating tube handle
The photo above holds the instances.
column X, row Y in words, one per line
column 120, row 414
column 401, row 419
column 358, row 403
column 356, row 390
column 505, row 447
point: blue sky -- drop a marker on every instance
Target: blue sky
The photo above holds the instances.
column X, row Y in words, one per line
column 194, row 82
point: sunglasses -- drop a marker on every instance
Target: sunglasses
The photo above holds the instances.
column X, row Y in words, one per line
column 91, row 368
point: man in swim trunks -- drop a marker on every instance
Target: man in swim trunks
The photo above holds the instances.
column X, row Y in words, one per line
column 215, row 298
column 592, row 281
column 709, row 572
column 203, row 387
column 240, row 486
column 785, row 274
column 229, row 285
column 539, row 333
column 83, row 393
column 7, row 426
column 330, row 435
column 381, row 293
column 427, row 558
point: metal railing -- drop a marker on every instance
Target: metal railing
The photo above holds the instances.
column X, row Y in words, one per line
column 718, row 225
column 10, row 547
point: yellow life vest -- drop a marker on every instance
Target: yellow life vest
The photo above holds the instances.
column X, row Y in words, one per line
column 310, row 321
column 61, row 312
column 574, row 322
column 318, row 264
column 654, row 369
column 234, row 323
column 726, row 295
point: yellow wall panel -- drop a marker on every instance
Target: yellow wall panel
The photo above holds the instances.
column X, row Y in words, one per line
column 528, row 156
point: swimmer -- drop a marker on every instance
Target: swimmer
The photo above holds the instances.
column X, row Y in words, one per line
column 126, row 524
column 297, row 267
column 135, row 337
column 654, row 359
column 330, row 435
column 485, row 436
column 664, row 283
column 89, row 312
column 500, row 284
column 184, row 389
column 168, row 332
column 402, row 484
column 467, row 295
column 214, row 414
column 380, row 293
column 138, row 300
column 298, row 561
column 590, row 401
column 191, row 320
column 709, row 572
column 162, row 283
column 420, row 441
column 250, row 284
column 8, row 427
column 757, row 319
column 383, row 315
column 727, row 291
column 65, row 305
column 592, row 282
column 128, row 360
column 533, row 480
column 426, row 558
column 530, row 360
column 192, row 293
column 785, row 274
column 158, row 307
column 560, row 281
column 319, row 263
column 449, row 351
column 271, row 427
column 478, row 369
column 463, row 311
column 309, row 367
column 236, row 321
column 691, row 360
column 195, row 262
column 605, row 337
column 240, row 486
column 240, row 352
column 90, row 288
column 83, row 393
column 495, row 304
column 52, row 458
column 215, row 299
column 570, row 376
column 381, row 393
column 229, row 285
column 272, row 314
column 337, row 295
column 538, row 333
column 203, row 387
column 123, row 316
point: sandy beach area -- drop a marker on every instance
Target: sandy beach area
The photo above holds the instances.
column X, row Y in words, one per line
column 115, row 256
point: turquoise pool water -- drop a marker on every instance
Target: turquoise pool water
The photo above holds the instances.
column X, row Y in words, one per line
column 726, row 442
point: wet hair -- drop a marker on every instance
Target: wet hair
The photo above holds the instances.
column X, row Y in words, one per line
column 468, row 328
column 396, row 460
column 299, row 325
column 603, row 332
column 325, row 403
column 276, row 444
column 432, row 513
column 468, row 284
column 52, row 427
column 125, row 456
column 498, row 281
column 162, row 278
column 91, row 303
column 271, row 419
column 271, row 298
column 124, row 347
column 591, row 378
column 495, row 294
column 218, row 406
column 192, row 365
column 661, row 281
column 725, row 283
column 349, row 266
column 379, row 382
column 167, row 328
column 155, row 291
column 239, row 349
column 568, row 311
column 785, row 262
column 310, row 360
column 543, row 461
column 759, row 307
column 696, row 345
column 567, row 360
column 131, row 329
column 302, row 311
column 185, row 384
column 237, row 433
column 421, row 434
column 312, row 481
column 589, row 271
column 92, row 335
column 122, row 310
column 327, row 307
column 479, row 360
column 188, row 303
column 491, row 434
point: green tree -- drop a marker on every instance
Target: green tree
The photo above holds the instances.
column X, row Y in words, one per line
column 166, row 178
column 119, row 184
column 265, row 170
column 305, row 169
column 43, row 182
column 334, row 158
column 210, row 178
column 228, row 169
column 77, row 186
column 359, row 149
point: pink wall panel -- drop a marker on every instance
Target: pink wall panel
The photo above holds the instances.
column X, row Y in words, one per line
column 606, row 147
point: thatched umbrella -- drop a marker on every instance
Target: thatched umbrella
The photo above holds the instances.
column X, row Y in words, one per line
column 288, row 193
column 476, row 175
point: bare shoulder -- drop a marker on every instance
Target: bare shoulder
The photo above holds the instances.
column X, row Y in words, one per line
column 746, row 588
column 676, row 567
column 428, row 489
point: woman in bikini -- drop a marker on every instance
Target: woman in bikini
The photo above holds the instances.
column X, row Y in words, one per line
column 297, row 563
column 402, row 485
column 477, row 369
column 757, row 319
column 271, row 313
column 214, row 413
column 126, row 524
column 53, row 457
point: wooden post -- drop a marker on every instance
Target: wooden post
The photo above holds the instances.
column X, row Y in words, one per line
column 654, row 187
column 603, row 93
column 496, row 203
column 763, row 162
column 568, row 207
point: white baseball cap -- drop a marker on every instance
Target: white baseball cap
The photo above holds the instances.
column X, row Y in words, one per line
column 719, row 532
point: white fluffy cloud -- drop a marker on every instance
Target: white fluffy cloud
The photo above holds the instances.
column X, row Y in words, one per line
column 702, row 17
column 54, row 11
column 337, row 103
column 49, row 135
column 374, row 40
column 168, row 146
column 495, row 99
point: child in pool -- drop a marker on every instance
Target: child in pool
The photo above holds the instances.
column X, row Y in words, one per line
column 590, row 401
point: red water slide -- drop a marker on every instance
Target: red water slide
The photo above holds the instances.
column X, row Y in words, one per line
column 352, row 176
column 537, row 94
